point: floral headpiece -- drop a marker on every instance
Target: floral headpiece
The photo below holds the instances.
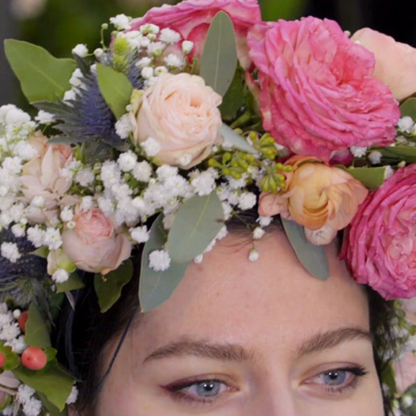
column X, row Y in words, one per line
column 195, row 113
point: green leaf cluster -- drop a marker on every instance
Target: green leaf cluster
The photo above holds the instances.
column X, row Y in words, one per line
column 11, row 359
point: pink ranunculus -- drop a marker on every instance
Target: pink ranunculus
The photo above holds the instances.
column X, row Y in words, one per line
column 42, row 176
column 395, row 61
column 380, row 246
column 95, row 244
column 318, row 93
column 192, row 19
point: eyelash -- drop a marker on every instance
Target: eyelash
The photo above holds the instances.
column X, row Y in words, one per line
column 176, row 390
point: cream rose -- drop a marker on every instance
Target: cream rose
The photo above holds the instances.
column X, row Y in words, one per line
column 180, row 113
column 95, row 244
column 395, row 61
column 42, row 177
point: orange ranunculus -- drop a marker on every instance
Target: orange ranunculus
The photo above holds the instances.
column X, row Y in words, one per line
column 323, row 199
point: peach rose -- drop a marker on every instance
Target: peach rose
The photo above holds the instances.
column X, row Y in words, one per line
column 95, row 245
column 405, row 371
column 180, row 113
column 323, row 199
column 42, row 177
column 395, row 61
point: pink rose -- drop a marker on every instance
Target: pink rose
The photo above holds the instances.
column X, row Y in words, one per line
column 95, row 245
column 318, row 94
column 42, row 177
column 192, row 19
column 180, row 113
column 395, row 61
column 380, row 246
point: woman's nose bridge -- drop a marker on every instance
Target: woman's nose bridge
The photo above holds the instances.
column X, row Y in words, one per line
column 280, row 401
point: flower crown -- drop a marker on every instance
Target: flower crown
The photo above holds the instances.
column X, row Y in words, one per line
column 195, row 113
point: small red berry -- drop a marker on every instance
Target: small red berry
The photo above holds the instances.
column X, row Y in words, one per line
column 22, row 321
column 2, row 360
column 34, row 358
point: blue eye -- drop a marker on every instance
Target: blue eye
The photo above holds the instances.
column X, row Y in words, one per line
column 206, row 388
column 334, row 378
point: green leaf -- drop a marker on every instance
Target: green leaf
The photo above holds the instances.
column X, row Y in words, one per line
column 56, row 384
column 11, row 359
column 234, row 140
column 408, row 108
column 371, row 178
column 73, row 283
column 52, row 409
column 399, row 153
column 156, row 287
column 312, row 257
column 196, row 224
column 41, row 252
column 37, row 333
column 234, row 98
column 109, row 287
column 42, row 76
column 115, row 88
column 219, row 58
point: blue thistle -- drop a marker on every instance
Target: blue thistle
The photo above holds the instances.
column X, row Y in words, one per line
column 23, row 281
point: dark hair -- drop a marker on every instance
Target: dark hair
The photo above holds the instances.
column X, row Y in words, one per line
column 84, row 333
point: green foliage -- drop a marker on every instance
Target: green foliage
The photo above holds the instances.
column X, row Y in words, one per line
column 234, row 98
column 115, row 88
column 196, row 224
column 219, row 59
column 398, row 154
column 73, row 283
column 282, row 9
column 408, row 108
column 42, row 76
column 157, row 286
column 371, row 178
column 109, row 287
column 11, row 359
column 55, row 383
column 37, row 333
column 312, row 257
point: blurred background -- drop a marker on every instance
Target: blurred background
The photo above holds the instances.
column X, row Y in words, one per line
column 59, row 25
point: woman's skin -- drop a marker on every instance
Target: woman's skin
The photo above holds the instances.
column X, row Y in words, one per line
column 250, row 339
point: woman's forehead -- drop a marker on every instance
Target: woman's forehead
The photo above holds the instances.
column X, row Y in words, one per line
column 229, row 299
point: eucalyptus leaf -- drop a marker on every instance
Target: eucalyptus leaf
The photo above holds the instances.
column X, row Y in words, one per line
column 73, row 283
column 196, row 224
column 109, row 287
column 312, row 257
column 371, row 178
column 234, row 140
column 219, row 58
column 56, row 384
column 156, row 287
column 11, row 359
column 408, row 108
column 115, row 88
column 37, row 333
column 234, row 98
column 42, row 76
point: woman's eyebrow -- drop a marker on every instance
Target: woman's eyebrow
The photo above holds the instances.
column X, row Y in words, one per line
column 205, row 349
column 331, row 339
